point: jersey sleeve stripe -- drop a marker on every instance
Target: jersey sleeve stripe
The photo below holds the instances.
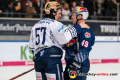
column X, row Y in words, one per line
column 73, row 32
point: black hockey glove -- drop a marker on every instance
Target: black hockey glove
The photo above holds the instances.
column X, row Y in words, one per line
column 72, row 64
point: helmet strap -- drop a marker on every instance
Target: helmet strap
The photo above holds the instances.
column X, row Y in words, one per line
column 51, row 14
column 78, row 19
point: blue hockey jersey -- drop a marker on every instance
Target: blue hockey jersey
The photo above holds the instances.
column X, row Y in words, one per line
column 86, row 40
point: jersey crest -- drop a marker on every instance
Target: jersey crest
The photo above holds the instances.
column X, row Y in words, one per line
column 87, row 35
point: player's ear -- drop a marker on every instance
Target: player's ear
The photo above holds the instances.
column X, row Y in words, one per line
column 53, row 13
column 79, row 16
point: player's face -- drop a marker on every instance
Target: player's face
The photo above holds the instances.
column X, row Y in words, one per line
column 74, row 18
column 58, row 15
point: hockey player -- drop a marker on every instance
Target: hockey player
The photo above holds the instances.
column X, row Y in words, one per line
column 77, row 50
column 46, row 38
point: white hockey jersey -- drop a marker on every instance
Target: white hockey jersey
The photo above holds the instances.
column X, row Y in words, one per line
column 49, row 32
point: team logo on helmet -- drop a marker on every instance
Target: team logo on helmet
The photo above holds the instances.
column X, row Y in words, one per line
column 87, row 35
column 72, row 74
column 82, row 9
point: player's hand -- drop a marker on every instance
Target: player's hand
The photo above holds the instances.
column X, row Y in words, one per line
column 84, row 25
column 74, row 66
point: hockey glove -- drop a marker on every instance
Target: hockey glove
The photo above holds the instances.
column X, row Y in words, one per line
column 71, row 42
column 72, row 64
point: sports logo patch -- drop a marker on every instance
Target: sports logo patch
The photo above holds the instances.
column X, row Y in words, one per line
column 82, row 9
column 60, row 29
column 72, row 74
column 87, row 35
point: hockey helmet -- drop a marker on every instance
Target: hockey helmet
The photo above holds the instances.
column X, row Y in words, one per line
column 52, row 5
column 81, row 10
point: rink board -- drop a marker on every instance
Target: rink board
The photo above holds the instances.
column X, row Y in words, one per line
column 31, row 63
column 17, row 53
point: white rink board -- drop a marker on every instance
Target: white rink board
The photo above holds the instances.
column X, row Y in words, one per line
column 14, row 51
column 19, row 51
column 105, row 50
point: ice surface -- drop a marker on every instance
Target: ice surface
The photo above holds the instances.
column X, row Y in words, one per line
column 11, row 71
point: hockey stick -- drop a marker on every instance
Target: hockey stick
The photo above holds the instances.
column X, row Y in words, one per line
column 21, row 74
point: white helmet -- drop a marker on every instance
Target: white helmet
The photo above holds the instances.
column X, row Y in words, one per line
column 81, row 10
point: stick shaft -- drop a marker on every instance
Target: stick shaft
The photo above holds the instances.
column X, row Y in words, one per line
column 21, row 74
